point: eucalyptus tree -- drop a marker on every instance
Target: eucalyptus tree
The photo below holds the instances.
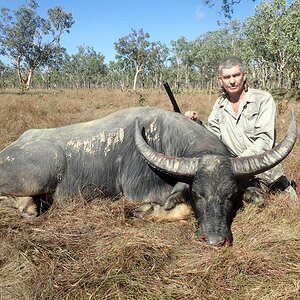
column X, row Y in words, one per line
column 156, row 64
column 117, row 75
column 6, row 76
column 210, row 47
column 272, row 37
column 85, row 68
column 179, row 59
column 293, row 64
column 30, row 41
column 134, row 50
column 92, row 66
column 3, row 70
column 226, row 7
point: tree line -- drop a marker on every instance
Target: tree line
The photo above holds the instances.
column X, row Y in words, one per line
column 268, row 42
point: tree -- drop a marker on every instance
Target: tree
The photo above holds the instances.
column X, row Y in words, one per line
column 117, row 75
column 226, row 6
column 30, row 41
column 209, row 48
column 134, row 50
column 272, row 37
column 180, row 48
column 85, row 68
column 156, row 63
column 6, row 77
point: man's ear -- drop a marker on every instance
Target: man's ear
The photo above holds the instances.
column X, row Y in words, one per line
column 220, row 80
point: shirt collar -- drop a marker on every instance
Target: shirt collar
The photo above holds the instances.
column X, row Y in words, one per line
column 224, row 101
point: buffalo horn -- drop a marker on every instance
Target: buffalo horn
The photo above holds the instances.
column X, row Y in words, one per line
column 176, row 166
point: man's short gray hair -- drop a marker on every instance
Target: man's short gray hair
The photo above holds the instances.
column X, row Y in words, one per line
column 229, row 62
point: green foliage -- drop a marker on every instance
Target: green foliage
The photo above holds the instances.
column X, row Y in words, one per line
column 272, row 38
column 155, row 65
column 268, row 42
column 181, row 60
column 134, row 47
column 7, row 78
column 85, row 68
column 30, row 41
column 141, row 98
column 194, row 63
column 226, row 7
column 134, row 50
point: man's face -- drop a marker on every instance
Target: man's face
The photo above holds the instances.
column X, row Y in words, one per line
column 233, row 80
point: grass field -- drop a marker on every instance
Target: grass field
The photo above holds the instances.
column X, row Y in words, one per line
column 79, row 250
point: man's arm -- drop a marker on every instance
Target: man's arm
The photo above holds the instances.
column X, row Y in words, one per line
column 264, row 129
column 213, row 123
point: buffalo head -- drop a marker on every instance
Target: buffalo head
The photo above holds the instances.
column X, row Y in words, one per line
column 214, row 181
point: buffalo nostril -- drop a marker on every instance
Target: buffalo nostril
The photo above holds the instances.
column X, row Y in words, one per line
column 202, row 238
column 217, row 242
column 228, row 242
column 225, row 242
column 221, row 243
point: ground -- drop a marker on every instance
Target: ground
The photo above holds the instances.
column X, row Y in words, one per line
column 80, row 250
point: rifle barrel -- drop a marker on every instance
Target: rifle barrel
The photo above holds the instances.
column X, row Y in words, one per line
column 172, row 98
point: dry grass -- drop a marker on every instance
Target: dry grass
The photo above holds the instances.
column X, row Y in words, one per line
column 81, row 250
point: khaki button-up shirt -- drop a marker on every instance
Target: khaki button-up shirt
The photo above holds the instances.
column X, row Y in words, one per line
column 252, row 129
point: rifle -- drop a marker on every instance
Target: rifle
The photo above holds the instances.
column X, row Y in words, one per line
column 172, row 98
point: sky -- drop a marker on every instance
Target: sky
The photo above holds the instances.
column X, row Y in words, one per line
column 101, row 23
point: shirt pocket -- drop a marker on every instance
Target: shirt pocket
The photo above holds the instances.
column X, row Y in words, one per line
column 249, row 121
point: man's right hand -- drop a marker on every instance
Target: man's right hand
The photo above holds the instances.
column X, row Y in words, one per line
column 192, row 115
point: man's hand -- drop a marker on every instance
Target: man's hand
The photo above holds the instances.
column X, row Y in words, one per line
column 192, row 115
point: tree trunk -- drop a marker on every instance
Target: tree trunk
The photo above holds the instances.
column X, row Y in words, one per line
column 186, row 76
column 28, row 79
column 24, row 81
column 137, row 71
column 177, row 74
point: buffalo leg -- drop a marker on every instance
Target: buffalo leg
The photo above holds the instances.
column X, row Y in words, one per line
column 175, row 208
column 142, row 210
column 180, row 212
column 156, row 212
column 25, row 205
column 31, row 168
column 179, row 194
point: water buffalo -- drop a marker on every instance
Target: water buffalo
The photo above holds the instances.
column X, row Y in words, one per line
column 147, row 154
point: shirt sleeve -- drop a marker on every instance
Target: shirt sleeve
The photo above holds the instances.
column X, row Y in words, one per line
column 213, row 123
column 263, row 138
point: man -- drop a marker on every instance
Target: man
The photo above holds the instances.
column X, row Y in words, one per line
column 244, row 119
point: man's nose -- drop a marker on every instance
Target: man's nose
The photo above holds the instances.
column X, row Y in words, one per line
column 231, row 79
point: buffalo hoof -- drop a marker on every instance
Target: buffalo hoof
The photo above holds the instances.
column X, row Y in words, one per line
column 173, row 200
column 158, row 213
column 25, row 205
column 141, row 211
